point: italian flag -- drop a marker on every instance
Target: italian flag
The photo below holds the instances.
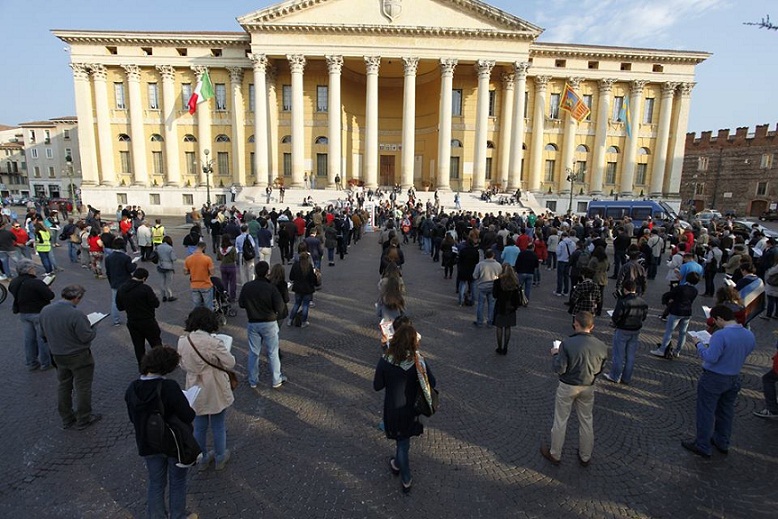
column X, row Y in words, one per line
column 203, row 92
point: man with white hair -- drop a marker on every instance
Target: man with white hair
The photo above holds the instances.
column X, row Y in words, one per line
column 31, row 295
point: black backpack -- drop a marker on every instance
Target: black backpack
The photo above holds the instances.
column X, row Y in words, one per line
column 248, row 250
column 172, row 437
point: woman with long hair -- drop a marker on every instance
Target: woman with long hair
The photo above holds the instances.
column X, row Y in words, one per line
column 391, row 300
column 449, row 257
column 42, row 246
column 303, row 278
column 96, row 252
column 228, row 268
column 506, row 301
column 600, row 266
column 277, row 278
column 396, row 373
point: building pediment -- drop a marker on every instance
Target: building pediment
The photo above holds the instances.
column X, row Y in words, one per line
column 439, row 17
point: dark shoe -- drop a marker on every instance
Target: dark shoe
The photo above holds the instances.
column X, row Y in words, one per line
column 171, row 299
column 47, row 367
column 692, row 447
column 498, row 350
column 393, row 467
column 407, row 487
column 164, row 299
column 68, row 425
column 722, row 451
column 546, row 453
column 93, row 418
column 582, row 462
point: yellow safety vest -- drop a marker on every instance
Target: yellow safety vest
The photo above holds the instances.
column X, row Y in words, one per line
column 42, row 241
column 157, row 233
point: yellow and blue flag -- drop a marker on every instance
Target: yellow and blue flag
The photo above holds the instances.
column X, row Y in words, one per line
column 626, row 116
column 573, row 104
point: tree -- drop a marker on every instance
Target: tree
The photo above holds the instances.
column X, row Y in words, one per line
column 765, row 23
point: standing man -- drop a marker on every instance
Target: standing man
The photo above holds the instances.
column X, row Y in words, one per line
column 263, row 304
column 199, row 267
column 31, row 295
column 563, row 251
column 8, row 249
column 632, row 270
column 139, row 301
column 144, row 240
column 719, row 383
column 247, row 251
column 621, row 243
column 233, row 192
column 268, row 193
column 486, row 271
column 118, row 269
column 264, row 241
column 656, row 243
column 157, row 233
column 70, row 336
column 578, row 360
column 628, row 316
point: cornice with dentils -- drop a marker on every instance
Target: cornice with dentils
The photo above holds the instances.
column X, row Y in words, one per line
column 200, row 38
column 562, row 50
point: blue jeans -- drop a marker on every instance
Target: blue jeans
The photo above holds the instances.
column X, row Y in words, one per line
column 301, row 300
column 331, row 254
column 163, row 471
column 562, row 278
column 202, row 297
column 625, row 345
column 263, row 334
column 5, row 259
column 526, row 280
column 427, row 244
column 485, row 296
column 716, row 395
column 73, row 251
column 536, row 276
column 45, row 261
column 402, row 459
column 218, row 429
column 115, row 314
column 36, row 351
column 464, row 286
column 683, row 325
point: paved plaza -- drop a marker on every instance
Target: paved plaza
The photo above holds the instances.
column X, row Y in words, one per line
column 313, row 449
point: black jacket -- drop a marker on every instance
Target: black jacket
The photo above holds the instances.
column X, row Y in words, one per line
column 137, row 299
column 401, row 385
column 262, row 301
column 526, row 262
column 141, row 399
column 630, row 312
column 681, row 298
column 302, row 284
column 119, row 268
column 30, row 294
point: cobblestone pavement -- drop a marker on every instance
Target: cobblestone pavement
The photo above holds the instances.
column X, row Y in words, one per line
column 313, row 448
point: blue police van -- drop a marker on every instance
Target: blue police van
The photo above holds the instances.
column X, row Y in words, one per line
column 638, row 210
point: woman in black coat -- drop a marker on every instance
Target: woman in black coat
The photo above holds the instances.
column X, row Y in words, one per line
column 396, row 373
column 303, row 278
column 506, row 301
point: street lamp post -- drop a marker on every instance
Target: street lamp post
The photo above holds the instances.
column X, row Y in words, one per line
column 207, row 170
column 69, row 164
column 572, row 177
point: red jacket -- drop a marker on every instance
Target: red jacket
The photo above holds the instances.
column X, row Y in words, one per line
column 21, row 236
column 522, row 241
column 541, row 250
column 125, row 226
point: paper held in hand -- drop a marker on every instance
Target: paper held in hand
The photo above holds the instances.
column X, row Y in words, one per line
column 706, row 310
column 557, row 344
column 610, row 313
column 191, row 394
column 701, row 335
column 49, row 279
column 226, row 339
column 96, row 317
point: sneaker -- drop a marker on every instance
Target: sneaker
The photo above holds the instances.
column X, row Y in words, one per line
column 289, row 323
column 93, row 419
column 609, row 378
column 558, row 294
column 281, row 383
column 765, row 317
column 477, row 324
column 171, row 299
column 657, row 353
column 206, row 460
column 306, row 324
column 765, row 413
column 691, row 446
column 253, row 386
column 221, row 464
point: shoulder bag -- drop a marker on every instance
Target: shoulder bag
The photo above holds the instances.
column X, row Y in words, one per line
column 171, row 436
column 427, row 398
column 231, row 374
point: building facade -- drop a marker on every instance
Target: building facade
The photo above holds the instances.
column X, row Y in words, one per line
column 51, row 151
column 439, row 94
column 731, row 172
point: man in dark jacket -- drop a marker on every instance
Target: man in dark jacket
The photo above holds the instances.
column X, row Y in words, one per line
column 118, row 268
column 263, row 304
column 628, row 316
column 679, row 301
column 139, row 301
column 621, row 243
column 467, row 259
column 578, row 360
column 632, row 270
column 30, row 296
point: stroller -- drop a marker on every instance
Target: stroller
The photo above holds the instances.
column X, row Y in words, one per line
column 221, row 302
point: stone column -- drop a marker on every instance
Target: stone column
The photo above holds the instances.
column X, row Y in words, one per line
column 260, row 120
column 447, row 67
column 484, row 69
column 238, row 126
column 568, row 143
column 204, row 140
column 519, row 126
column 631, row 146
column 170, row 129
column 272, row 116
column 104, row 134
column 409, row 122
column 506, row 127
column 334, row 67
column 372, row 63
column 297, row 64
column 662, row 139
column 86, row 125
column 538, row 120
column 137, row 133
column 601, row 135
column 673, row 187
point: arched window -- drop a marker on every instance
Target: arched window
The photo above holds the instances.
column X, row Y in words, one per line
column 155, row 137
column 582, row 149
column 123, row 137
column 612, row 149
column 322, row 140
column 489, row 145
column 251, row 139
column 456, row 143
column 644, row 151
column 190, row 138
column 551, row 147
column 222, row 138
column 286, row 139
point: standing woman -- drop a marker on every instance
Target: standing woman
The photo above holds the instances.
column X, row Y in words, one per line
column 303, row 280
column 506, row 301
column 166, row 267
column 396, row 373
column 43, row 246
column 205, row 359
column 551, row 245
column 228, row 268
column 330, row 242
column 277, row 277
column 600, row 266
column 449, row 257
column 141, row 399
column 96, row 253
column 541, row 251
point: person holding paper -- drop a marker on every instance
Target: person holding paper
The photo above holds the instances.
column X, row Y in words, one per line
column 628, row 316
column 140, row 302
column 118, row 268
column 769, row 381
column 680, row 301
column 31, row 295
column 719, row 384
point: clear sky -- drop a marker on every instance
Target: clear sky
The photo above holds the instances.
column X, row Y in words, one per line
column 733, row 86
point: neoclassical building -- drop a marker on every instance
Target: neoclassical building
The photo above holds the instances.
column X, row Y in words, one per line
column 447, row 94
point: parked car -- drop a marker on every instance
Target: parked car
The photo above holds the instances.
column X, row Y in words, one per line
column 769, row 215
column 744, row 227
column 708, row 215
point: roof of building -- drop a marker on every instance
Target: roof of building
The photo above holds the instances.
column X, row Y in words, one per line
column 4, row 127
column 50, row 123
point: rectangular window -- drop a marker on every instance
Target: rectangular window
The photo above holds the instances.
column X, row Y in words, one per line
column 549, row 176
column 640, row 174
column 191, row 162
column 456, row 102
column 118, row 91
column 66, row 134
column 526, row 104
column 321, row 164
column 488, row 168
column 454, row 167
column 124, row 159
column 68, row 155
column 287, row 164
column 32, row 136
column 221, row 199
column 49, row 153
column 554, row 111
column 36, row 172
column 610, row 173
column 767, row 161
column 702, row 163
column 252, row 94
column 761, row 189
column 648, row 110
column 188, row 199
column 34, row 153
column 551, row 205
column 322, row 100
column 252, row 165
column 286, row 98
column 154, row 199
column 580, row 170
column 156, row 159
column 699, row 189
column 46, row 137
column 492, row 102
column 587, row 99
column 153, row 96
column 582, row 207
column 121, row 198
column 223, row 163
column 221, row 96
column 186, row 93
column 618, row 103
column 51, row 171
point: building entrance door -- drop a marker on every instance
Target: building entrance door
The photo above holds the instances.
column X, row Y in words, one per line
column 758, row 207
column 387, row 171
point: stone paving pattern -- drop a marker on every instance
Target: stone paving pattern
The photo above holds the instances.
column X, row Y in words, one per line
column 313, row 448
